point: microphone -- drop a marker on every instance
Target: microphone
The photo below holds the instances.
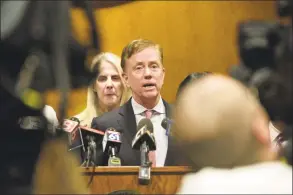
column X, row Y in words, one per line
column 166, row 124
column 71, row 128
column 145, row 142
column 90, row 136
column 111, row 146
column 88, row 130
column 144, row 135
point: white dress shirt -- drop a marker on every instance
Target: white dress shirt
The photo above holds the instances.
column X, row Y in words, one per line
column 274, row 132
column 261, row 178
column 159, row 132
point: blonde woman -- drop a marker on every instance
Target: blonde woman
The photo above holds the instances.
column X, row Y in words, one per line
column 108, row 91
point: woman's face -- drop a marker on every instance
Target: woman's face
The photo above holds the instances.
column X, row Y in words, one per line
column 108, row 86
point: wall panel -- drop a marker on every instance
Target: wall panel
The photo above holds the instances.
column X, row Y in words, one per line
column 195, row 35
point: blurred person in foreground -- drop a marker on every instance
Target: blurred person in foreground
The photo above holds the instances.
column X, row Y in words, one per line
column 108, row 91
column 192, row 77
column 225, row 133
column 57, row 171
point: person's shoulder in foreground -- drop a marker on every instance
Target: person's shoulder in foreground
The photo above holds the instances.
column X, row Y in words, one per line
column 262, row 178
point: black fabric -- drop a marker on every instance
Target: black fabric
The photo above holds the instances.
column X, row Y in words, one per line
column 19, row 148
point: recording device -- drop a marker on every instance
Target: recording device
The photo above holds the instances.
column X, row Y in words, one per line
column 266, row 67
column 265, row 49
column 28, row 26
column 74, row 135
column 166, row 124
column 261, row 44
column 90, row 136
column 284, row 7
column 36, row 42
column 111, row 146
column 90, row 159
column 144, row 135
column 145, row 142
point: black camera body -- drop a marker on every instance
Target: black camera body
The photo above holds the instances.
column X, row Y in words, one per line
column 38, row 52
column 265, row 50
column 32, row 28
column 263, row 44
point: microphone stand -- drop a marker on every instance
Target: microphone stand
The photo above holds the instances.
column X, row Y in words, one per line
column 144, row 174
column 91, row 153
column 113, row 160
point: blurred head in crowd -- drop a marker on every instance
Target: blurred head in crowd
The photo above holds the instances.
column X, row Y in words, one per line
column 142, row 62
column 55, row 171
column 221, row 124
column 189, row 78
column 108, row 91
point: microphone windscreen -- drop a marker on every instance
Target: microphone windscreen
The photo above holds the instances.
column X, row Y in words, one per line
column 164, row 123
column 146, row 122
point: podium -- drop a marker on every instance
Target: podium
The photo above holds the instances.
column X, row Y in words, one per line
column 164, row 180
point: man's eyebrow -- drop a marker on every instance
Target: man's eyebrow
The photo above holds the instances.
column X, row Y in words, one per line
column 153, row 61
column 139, row 63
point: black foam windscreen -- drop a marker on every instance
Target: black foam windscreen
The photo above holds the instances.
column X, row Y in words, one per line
column 164, row 123
column 146, row 122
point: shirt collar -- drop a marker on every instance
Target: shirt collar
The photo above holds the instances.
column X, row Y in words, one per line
column 138, row 109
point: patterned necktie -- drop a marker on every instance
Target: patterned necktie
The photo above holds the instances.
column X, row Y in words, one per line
column 152, row 154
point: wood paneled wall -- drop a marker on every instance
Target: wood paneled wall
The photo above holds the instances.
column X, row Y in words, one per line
column 195, row 35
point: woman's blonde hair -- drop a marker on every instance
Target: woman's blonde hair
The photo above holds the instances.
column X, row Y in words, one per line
column 92, row 109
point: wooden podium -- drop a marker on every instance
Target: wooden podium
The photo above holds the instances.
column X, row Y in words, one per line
column 164, row 180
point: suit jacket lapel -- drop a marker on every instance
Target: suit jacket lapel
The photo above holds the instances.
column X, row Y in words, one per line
column 168, row 109
column 128, row 123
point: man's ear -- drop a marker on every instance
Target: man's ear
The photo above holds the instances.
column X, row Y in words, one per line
column 125, row 77
column 261, row 131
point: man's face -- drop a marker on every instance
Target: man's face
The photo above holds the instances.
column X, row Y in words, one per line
column 144, row 74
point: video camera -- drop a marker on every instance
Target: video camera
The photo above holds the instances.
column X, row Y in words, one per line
column 266, row 53
column 38, row 53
